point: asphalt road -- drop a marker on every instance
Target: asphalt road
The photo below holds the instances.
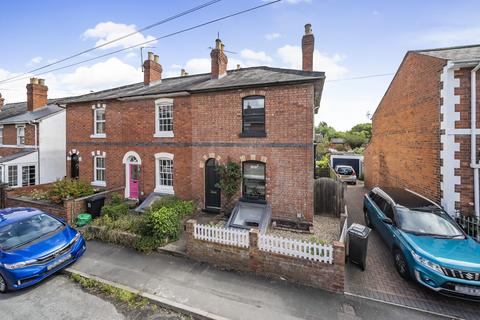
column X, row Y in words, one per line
column 56, row 298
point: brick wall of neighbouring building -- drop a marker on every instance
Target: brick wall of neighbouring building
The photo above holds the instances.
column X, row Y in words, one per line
column 207, row 126
column 311, row 273
column 405, row 146
column 465, row 189
column 10, row 138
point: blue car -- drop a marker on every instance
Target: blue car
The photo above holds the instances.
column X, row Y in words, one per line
column 426, row 243
column 33, row 246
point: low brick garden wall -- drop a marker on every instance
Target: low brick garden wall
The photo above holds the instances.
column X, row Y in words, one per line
column 328, row 276
column 68, row 210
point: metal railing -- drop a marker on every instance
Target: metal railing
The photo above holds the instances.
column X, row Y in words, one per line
column 471, row 225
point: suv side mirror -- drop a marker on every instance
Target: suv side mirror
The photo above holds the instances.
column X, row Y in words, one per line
column 387, row 220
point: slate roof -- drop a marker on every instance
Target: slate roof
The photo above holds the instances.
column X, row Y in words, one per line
column 18, row 110
column 245, row 77
column 19, row 154
column 27, row 116
column 470, row 52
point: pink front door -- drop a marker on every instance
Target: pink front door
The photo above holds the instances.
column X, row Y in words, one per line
column 133, row 183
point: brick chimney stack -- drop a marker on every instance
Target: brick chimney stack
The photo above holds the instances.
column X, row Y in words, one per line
column 2, row 101
column 308, row 43
column 219, row 60
column 152, row 70
column 36, row 94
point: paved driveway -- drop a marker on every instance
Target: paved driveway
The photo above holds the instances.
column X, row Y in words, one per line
column 56, row 298
column 381, row 281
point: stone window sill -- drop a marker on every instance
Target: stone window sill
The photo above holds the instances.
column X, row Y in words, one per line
column 98, row 136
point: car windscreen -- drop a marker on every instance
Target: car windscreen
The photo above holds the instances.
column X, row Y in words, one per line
column 22, row 232
column 345, row 171
column 433, row 222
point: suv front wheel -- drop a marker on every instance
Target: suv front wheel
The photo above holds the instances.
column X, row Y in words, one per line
column 366, row 217
column 400, row 263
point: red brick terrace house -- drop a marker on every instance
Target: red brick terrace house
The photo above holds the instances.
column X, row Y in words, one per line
column 167, row 135
column 426, row 129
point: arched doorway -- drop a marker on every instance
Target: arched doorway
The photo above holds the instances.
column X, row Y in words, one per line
column 212, row 192
column 132, row 163
column 74, row 166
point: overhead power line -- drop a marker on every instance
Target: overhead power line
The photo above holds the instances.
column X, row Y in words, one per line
column 362, row 77
column 155, row 39
column 176, row 16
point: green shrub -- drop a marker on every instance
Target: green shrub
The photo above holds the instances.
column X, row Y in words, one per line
column 181, row 207
column 147, row 244
column 130, row 223
column 115, row 210
column 116, row 198
column 163, row 223
column 69, row 188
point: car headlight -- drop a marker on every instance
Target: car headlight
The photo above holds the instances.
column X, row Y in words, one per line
column 76, row 237
column 427, row 263
column 19, row 265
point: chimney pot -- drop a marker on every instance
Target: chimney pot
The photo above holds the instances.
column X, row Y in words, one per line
column 36, row 94
column 182, row 72
column 308, row 28
column 238, row 66
column 2, row 100
column 308, row 44
column 152, row 70
column 219, row 60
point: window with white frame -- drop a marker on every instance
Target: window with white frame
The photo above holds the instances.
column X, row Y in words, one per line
column 99, row 120
column 2, row 179
column 28, row 175
column 12, row 176
column 99, row 170
column 20, row 135
column 1, row 134
column 164, row 173
column 164, row 118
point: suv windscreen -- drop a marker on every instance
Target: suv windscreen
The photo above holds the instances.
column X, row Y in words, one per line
column 22, row 232
column 433, row 222
column 345, row 171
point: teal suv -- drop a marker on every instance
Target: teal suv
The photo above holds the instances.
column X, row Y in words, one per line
column 426, row 243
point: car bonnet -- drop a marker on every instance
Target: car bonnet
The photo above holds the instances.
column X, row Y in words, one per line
column 447, row 252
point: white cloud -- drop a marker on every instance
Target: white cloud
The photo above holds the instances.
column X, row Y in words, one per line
column 108, row 31
column 99, row 76
column 34, row 61
column 255, row 55
column 198, row 65
column 446, row 36
column 291, row 57
column 272, row 36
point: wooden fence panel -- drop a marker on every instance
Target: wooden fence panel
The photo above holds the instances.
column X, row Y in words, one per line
column 329, row 196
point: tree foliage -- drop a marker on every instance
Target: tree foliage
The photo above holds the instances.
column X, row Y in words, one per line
column 356, row 138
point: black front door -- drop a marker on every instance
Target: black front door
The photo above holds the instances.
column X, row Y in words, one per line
column 75, row 166
column 212, row 193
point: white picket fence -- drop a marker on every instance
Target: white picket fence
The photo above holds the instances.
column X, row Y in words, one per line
column 228, row 236
column 296, row 248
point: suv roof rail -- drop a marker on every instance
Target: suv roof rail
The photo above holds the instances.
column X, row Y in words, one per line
column 384, row 194
column 423, row 197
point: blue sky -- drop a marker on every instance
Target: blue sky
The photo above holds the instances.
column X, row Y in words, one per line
column 352, row 38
